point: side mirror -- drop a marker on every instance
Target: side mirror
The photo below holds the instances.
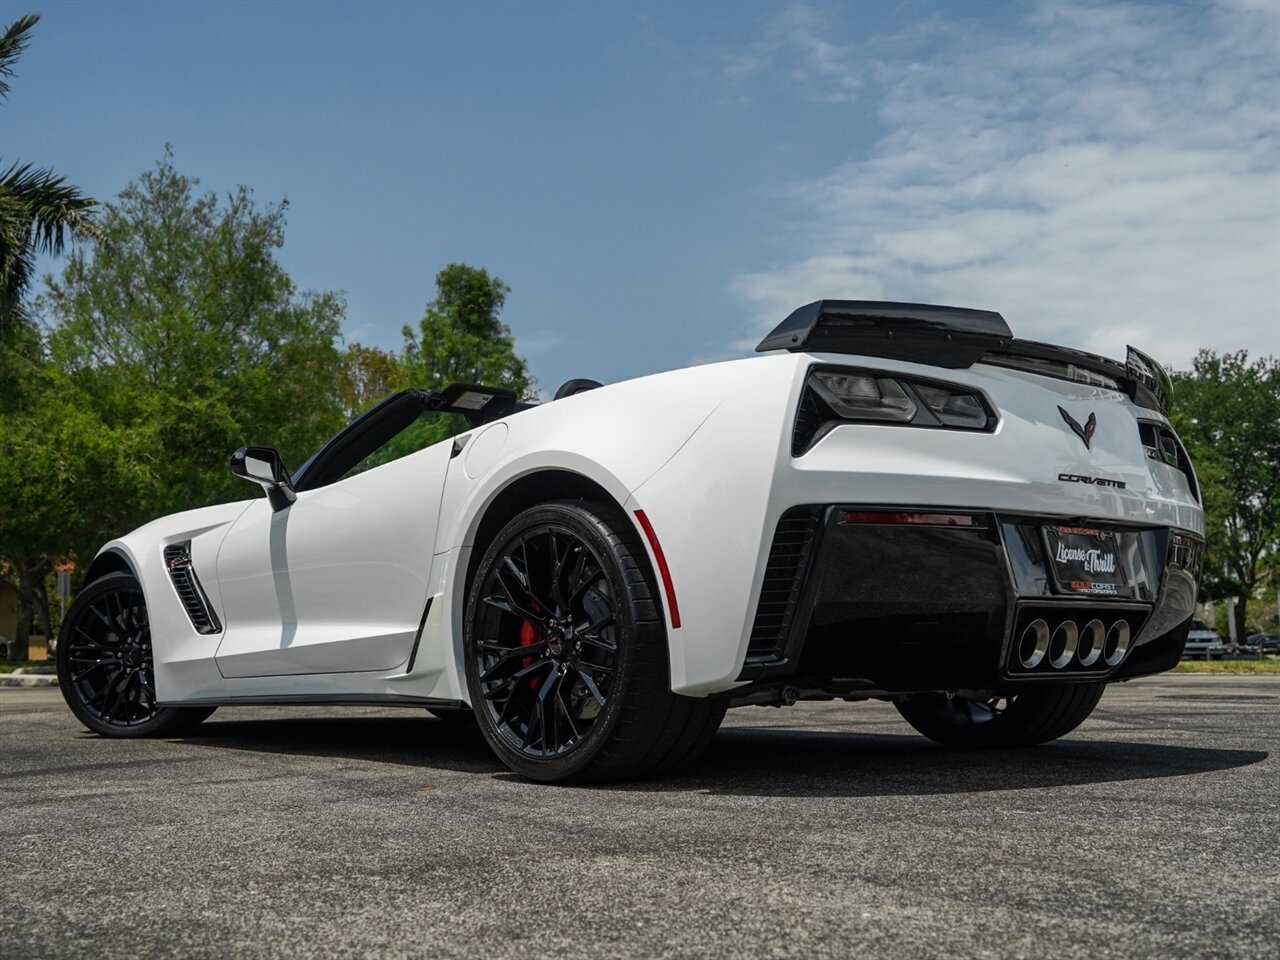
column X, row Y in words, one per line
column 263, row 465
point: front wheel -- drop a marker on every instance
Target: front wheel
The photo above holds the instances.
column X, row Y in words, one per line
column 1017, row 720
column 105, row 665
column 566, row 652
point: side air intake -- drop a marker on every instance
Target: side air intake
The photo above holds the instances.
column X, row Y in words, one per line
column 177, row 560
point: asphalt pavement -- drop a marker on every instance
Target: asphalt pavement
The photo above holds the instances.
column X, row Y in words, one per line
column 826, row 830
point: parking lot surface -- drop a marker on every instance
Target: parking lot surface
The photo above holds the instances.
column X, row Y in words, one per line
column 826, row 830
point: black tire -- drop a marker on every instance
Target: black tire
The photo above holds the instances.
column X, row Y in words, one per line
column 1024, row 719
column 105, row 667
column 562, row 616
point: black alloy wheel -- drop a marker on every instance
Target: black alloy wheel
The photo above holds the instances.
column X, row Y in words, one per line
column 106, row 668
column 566, row 651
column 548, row 641
column 1002, row 720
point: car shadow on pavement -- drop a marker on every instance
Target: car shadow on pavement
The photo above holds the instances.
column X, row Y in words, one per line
column 410, row 740
column 749, row 761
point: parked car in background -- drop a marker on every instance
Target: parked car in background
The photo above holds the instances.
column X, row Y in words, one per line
column 1265, row 642
column 1203, row 643
column 1245, row 648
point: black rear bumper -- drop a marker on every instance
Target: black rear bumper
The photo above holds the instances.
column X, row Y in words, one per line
column 900, row 602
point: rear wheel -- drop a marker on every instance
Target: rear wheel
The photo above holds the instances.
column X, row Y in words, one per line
column 566, row 652
column 1019, row 720
column 105, row 665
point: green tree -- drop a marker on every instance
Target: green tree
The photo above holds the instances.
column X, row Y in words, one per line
column 368, row 375
column 184, row 327
column 461, row 338
column 38, row 209
column 1228, row 414
column 69, row 482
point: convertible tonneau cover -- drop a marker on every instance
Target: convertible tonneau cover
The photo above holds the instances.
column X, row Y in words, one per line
column 955, row 337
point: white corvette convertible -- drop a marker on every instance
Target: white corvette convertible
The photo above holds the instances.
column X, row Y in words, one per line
column 896, row 501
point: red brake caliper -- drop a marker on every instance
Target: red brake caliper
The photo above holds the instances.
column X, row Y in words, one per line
column 528, row 637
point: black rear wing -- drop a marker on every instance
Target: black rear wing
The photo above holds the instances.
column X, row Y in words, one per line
column 957, row 338
column 940, row 336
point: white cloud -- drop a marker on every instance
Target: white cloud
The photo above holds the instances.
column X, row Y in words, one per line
column 1102, row 175
column 824, row 70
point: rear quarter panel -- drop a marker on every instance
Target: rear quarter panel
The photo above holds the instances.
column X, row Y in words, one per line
column 716, row 503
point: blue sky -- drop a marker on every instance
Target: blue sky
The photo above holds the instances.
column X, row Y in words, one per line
column 659, row 183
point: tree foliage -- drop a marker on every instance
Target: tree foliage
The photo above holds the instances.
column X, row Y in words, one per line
column 185, row 327
column 461, row 338
column 368, row 375
column 179, row 338
column 1228, row 415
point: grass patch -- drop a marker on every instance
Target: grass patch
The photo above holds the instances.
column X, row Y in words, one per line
column 8, row 666
column 1228, row 666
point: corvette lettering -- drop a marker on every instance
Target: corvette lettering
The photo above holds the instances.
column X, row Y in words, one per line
column 1095, row 561
column 1095, row 481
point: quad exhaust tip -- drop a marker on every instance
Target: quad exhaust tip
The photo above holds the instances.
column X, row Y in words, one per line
column 1092, row 638
column 1034, row 644
column 1068, row 642
column 1116, row 647
column 1062, row 648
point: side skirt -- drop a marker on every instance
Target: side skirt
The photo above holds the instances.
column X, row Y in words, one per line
column 332, row 700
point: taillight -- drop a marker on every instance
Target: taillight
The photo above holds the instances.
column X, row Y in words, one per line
column 862, row 396
column 835, row 395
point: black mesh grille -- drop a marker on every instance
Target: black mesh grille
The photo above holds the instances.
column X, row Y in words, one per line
column 783, row 579
column 177, row 558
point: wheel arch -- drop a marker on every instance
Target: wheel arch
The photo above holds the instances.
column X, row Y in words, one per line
column 110, row 560
column 518, row 494
column 529, row 490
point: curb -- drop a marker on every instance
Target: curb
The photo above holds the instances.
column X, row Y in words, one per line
column 27, row 680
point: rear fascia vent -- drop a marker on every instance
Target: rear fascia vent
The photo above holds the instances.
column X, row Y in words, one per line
column 177, row 560
column 783, row 580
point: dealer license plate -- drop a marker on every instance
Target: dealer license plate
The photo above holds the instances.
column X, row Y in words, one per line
column 1086, row 560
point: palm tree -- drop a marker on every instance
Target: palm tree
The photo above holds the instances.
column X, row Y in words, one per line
column 37, row 208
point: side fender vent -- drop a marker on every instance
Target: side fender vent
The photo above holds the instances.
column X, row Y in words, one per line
column 783, row 581
column 177, row 560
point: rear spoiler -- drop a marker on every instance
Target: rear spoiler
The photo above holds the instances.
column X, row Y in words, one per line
column 957, row 338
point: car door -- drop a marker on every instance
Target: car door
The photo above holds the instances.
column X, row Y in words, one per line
column 337, row 580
